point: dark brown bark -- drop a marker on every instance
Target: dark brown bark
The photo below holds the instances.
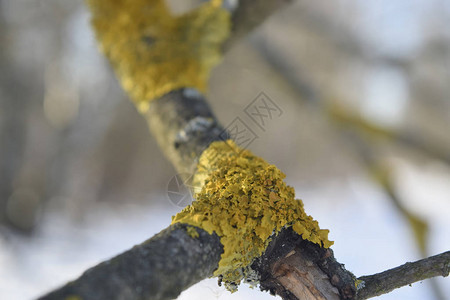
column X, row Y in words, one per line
column 385, row 282
column 298, row 269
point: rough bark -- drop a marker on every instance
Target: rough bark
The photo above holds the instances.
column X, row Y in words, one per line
column 181, row 121
column 184, row 126
column 385, row 282
column 298, row 269
column 159, row 268
column 170, row 262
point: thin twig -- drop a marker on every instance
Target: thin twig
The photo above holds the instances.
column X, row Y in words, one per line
column 385, row 282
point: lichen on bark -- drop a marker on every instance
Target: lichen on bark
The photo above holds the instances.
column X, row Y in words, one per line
column 244, row 200
column 154, row 52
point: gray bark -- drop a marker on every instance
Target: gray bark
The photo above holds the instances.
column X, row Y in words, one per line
column 159, row 268
column 387, row 281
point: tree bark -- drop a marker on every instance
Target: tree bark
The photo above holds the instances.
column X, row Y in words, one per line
column 387, row 281
column 173, row 260
column 295, row 268
column 159, row 268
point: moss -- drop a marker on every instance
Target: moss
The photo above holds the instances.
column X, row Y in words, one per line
column 154, row 52
column 192, row 232
column 244, row 200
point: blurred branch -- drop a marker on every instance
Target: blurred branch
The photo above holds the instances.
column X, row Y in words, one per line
column 360, row 133
column 408, row 140
column 346, row 43
column 385, row 282
column 250, row 14
column 381, row 175
column 182, row 121
column 419, row 226
column 14, row 109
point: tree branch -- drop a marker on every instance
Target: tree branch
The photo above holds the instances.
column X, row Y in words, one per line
column 322, row 27
column 159, row 268
column 176, row 258
column 183, row 125
column 249, row 15
column 181, row 121
column 170, row 262
column 385, row 282
column 295, row 268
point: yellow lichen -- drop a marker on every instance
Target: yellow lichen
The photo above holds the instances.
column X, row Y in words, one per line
column 192, row 232
column 244, row 200
column 154, row 52
column 73, row 297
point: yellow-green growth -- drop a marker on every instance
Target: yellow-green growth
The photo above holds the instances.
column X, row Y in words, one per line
column 244, row 200
column 73, row 297
column 192, row 232
column 154, row 52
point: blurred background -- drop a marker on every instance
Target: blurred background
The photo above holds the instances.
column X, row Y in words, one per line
column 364, row 137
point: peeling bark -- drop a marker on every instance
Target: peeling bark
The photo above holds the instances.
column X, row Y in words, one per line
column 298, row 269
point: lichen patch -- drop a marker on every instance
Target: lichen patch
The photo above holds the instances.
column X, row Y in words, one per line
column 244, row 200
column 192, row 232
column 154, row 52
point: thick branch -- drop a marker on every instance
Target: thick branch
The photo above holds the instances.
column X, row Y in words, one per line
column 184, row 126
column 182, row 121
column 171, row 261
column 159, row 268
column 385, row 282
